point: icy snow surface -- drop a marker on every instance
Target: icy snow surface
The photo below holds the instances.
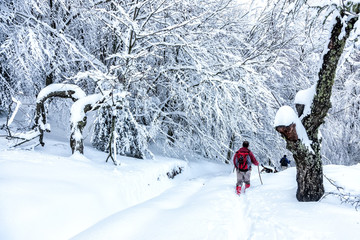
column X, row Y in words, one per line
column 48, row 194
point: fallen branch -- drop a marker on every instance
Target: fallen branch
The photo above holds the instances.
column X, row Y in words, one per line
column 344, row 197
column 25, row 141
column 22, row 137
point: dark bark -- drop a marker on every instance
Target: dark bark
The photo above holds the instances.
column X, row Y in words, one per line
column 50, row 77
column 289, row 132
column 309, row 174
column 300, row 109
column 113, row 120
column 76, row 144
column 231, row 149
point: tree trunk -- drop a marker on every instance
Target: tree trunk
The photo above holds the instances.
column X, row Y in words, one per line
column 78, row 122
column 309, row 172
column 231, row 149
column 309, row 175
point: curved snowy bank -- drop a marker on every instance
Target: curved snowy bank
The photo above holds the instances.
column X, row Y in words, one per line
column 44, row 196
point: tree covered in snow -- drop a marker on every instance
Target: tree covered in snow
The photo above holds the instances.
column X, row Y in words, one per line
column 187, row 67
column 342, row 142
column 197, row 72
column 201, row 76
column 124, row 136
column 302, row 134
column 5, row 93
column 44, row 41
column 54, row 90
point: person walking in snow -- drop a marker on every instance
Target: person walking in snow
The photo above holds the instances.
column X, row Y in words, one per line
column 284, row 162
column 242, row 162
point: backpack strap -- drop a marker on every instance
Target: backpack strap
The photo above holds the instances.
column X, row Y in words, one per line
column 236, row 156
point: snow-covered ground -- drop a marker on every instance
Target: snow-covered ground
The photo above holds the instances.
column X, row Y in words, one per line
column 48, row 194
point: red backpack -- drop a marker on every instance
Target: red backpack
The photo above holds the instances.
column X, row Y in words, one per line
column 241, row 160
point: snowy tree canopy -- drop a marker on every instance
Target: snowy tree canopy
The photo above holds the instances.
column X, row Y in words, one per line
column 202, row 76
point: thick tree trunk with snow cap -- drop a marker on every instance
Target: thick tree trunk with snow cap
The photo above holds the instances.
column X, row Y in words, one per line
column 78, row 119
column 308, row 156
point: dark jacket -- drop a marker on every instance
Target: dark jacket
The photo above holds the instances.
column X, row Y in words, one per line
column 284, row 161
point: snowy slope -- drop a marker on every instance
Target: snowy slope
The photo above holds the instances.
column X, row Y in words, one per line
column 45, row 194
column 207, row 208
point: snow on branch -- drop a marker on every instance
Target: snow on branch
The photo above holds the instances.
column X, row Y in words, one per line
column 345, row 197
column 303, row 101
column 18, row 103
column 61, row 90
column 20, row 137
column 54, row 90
column 12, row 115
column 289, row 125
column 78, row 119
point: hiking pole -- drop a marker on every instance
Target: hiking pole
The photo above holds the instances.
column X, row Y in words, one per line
column 260, row 175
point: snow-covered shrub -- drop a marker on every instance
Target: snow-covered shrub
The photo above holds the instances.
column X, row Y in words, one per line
column 115, row 126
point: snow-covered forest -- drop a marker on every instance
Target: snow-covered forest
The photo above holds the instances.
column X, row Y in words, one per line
column 199, row 76
column 104, row 103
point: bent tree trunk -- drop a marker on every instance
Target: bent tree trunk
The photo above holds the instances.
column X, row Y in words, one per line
column 308, row 162
column 54, row 90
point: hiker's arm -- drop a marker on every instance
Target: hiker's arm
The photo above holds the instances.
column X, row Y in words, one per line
column 253, row 159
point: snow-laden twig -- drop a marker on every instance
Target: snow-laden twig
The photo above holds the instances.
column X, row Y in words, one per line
column 345, row 197
column 18, row 103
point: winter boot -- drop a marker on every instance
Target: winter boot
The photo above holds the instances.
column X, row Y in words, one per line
column 238, row 190
column 247, row 186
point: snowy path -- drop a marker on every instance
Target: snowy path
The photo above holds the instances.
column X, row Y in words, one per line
column 205, row 207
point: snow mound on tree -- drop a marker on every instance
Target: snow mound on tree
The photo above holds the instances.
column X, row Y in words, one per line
column 286, row 116
column 305, row 97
